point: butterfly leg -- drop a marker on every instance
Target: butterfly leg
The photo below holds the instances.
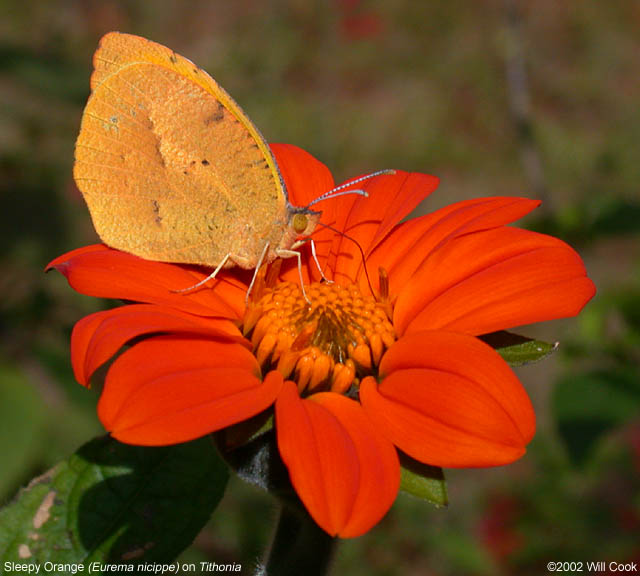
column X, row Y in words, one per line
column 210, row 277
column 289, row 254
column 255, row 271
column 315, row 259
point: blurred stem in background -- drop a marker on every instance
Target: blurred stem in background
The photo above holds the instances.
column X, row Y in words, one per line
column 299, row 546
column 520, row 104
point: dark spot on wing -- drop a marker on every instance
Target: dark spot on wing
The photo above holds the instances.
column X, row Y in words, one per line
column 156, row 212
column 173, row 58
column 217, row 116
column 195, row 70
column 205, row 162
column 189, row 168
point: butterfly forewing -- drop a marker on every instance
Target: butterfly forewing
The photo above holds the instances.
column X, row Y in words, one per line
column 170, row 166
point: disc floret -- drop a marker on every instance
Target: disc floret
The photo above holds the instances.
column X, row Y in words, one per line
column 327, row 343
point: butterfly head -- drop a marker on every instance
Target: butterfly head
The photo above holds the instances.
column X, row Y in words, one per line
column 301, row 223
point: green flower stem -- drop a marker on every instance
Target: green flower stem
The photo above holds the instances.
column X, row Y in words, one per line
column 299, row 546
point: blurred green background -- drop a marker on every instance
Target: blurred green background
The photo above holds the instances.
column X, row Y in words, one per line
column 498, row 97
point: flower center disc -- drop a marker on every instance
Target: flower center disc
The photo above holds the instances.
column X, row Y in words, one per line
column 327, row 344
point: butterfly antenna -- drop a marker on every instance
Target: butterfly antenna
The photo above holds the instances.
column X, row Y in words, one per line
column 340, row 190
column 364, row 262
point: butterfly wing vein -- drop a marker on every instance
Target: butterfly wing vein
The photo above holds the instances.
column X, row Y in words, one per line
column 170, row 167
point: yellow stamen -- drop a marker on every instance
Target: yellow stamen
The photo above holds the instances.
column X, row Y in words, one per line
column 385, row 301
column 288, row 362
column 328, row 343
column 362, row 356
column 321, row 368
column 343, row 375
column 377, row 347
column 266, row 346
column 304, row 367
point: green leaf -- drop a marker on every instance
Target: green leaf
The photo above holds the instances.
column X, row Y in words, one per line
column 518, row 350
column 115, row 503
column 619, row 216
column 588, row 406
column 22, row 425
column 424, row 481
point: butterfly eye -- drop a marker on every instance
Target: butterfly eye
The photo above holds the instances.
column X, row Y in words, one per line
column 299, row 223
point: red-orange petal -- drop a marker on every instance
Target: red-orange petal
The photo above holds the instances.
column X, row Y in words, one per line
column 305, row 177
column 493, row 280
column 411, row 243
column 97, row 337
column 62, row 259
column 369, row 220
column 106, row 273
column 449, row 400
column 345, row 472
column 169, row 389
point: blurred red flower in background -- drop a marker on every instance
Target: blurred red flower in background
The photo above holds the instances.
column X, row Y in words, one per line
column 374, row 364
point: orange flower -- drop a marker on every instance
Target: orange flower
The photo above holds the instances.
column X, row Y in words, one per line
column 365, row 369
